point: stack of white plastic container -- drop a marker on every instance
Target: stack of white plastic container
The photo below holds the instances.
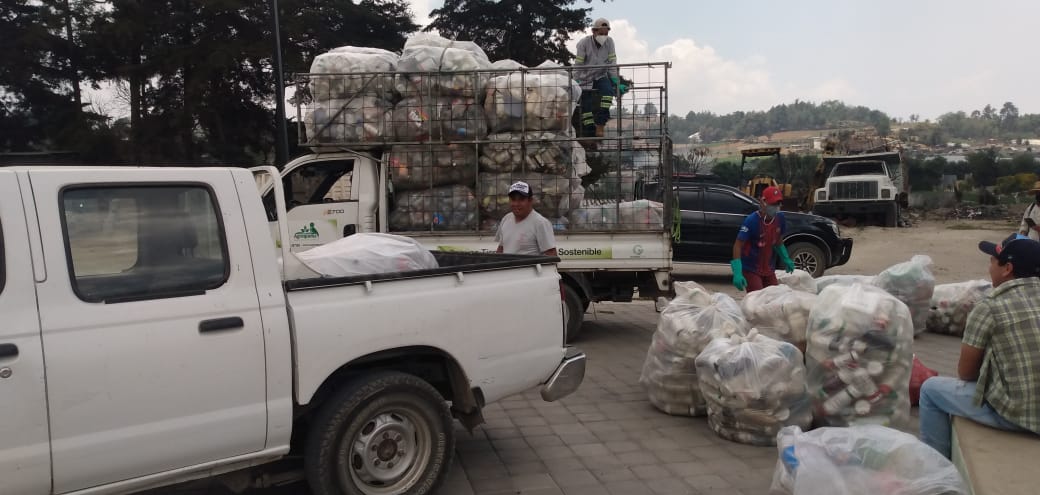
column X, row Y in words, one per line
column 350, row 104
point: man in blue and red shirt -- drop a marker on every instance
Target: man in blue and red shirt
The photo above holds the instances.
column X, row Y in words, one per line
column 759, row 242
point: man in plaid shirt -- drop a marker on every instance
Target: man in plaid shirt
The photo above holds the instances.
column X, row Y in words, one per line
column 999, row 367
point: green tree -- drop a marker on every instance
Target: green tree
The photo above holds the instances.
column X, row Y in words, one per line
column 727, row 172
column 528, row 31
column 983, row 166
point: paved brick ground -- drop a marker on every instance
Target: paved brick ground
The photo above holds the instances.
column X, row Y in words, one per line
column 606, row 438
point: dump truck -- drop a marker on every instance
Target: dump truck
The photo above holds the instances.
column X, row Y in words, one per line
column 431, row 154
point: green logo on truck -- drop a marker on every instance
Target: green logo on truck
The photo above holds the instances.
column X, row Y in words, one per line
column 307, row 232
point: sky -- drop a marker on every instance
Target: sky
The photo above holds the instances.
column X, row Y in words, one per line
column 923, row 57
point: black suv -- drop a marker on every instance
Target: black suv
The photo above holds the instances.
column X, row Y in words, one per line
column 713, row 213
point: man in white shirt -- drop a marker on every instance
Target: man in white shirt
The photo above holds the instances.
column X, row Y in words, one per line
column 524, row 231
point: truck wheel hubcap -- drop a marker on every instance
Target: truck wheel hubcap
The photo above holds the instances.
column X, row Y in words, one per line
column 390, row 452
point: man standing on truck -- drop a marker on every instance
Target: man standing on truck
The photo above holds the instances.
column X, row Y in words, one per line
column 524, row 231
column 998, row 381
column 759, row 241
column 1031, row 218
column 598, row 85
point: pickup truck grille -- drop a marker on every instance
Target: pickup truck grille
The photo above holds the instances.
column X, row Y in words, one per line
column 853, row 190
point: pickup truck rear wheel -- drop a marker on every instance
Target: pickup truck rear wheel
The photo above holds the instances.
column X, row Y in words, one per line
column 573, row 312
column 385, row 433
column 808, row 257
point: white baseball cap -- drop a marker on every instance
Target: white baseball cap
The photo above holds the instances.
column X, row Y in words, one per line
column 521, row 188
column 601, row 23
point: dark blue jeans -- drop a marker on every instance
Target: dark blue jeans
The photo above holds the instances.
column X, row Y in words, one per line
column 595, row 105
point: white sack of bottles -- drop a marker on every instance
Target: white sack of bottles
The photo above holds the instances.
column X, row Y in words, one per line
column 780, row 312
column 686, row 326
column 913, row 283
column 628, row 215
column 753, row 385
column 554, row 195
column 798, row 280
column 353, row 71
column 427, row 62
column 540, row 152
column 859, row 357
column 423, row 166
column 359, row 119
column 531, row 101
column 952, row 303
column 439, row 119
column 440, row 208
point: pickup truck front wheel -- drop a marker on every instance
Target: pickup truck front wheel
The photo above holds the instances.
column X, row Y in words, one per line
column 808, row 257
column 385, row 433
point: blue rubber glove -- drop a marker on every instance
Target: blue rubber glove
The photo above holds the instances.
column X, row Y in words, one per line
column 785, row 258
column 738, row 274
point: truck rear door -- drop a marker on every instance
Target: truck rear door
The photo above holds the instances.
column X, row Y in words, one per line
column 25, row 462
column 150, row 320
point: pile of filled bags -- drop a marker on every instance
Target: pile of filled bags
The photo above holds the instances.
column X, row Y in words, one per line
column 780, row 312
column 952, row 303
column 451, row 117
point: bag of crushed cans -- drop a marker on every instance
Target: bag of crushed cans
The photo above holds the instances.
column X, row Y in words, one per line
column 687, row 324
column 554, row 195
column 913, row 283
column 754, row 386
column 440, row 208
column 423, row 166
column 858, row 357
column 436, row 119
column 798, row 280
column 780, row 312
column 861, row 460
column 952, row 303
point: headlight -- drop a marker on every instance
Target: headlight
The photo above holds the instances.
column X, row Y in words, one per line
column 834, row 227
column 886, row 194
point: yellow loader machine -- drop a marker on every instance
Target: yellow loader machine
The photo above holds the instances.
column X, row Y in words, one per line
column 754, row 186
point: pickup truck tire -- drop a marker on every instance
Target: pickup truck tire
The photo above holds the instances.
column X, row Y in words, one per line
column 385, row 432
column 808, row 257
column 573, row 312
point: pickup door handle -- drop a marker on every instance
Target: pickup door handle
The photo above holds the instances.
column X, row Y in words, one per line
column 8, row 350
column 716, row 222
column 220, row 324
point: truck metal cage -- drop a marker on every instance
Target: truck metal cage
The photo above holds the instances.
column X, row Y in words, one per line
column 452, row 142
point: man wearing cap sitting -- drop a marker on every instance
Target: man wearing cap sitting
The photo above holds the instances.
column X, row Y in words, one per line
column 999, row 366
column 598, row 84
column 759, row 241
column 1031, row 218
column 524, row 231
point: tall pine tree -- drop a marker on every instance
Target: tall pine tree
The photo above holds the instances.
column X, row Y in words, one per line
column 528, row 31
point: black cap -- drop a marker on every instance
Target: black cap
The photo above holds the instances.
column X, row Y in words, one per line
column 1022, row 252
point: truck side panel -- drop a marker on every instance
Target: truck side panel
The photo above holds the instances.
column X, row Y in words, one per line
column 25, row 463
column 481, row 319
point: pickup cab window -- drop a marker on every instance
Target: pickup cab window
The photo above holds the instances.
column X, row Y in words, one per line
column 324, row 182
column 128, row 243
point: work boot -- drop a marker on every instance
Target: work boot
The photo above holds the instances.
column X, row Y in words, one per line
column 601, row 130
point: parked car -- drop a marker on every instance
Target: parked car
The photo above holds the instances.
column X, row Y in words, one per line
column 712, row 215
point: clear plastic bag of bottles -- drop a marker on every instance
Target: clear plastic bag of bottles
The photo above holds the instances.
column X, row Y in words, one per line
column 913, row 283
column 952, row 303
column 780, row 312
column 688, row 324
column 829, row 280
column 754, row 386
column 861, row 460
column 859, row 356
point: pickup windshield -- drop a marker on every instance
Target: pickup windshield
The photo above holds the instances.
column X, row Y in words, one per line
column 859, row 168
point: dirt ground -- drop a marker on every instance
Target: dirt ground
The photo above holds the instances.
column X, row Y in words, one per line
column 952, row 245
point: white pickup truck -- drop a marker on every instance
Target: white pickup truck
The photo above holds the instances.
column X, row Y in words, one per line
column 151, row 336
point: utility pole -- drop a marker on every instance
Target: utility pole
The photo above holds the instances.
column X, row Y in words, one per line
column 281, row 144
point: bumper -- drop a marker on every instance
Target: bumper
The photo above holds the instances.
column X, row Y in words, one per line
column 567, row 377
column 846, row 251
column 840, row 208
